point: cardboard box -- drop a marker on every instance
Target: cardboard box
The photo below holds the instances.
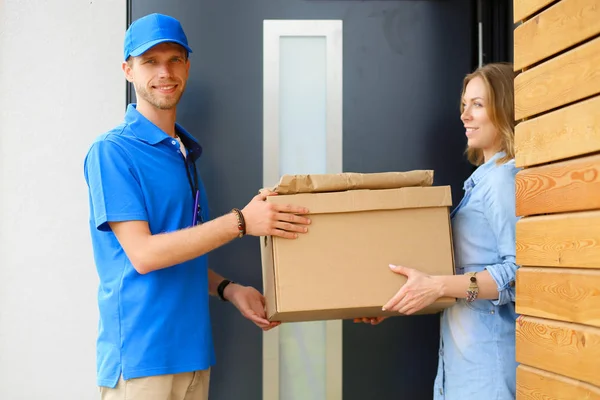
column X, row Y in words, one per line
column 339, row 269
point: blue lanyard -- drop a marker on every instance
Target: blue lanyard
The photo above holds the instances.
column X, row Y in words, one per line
column 194, row 187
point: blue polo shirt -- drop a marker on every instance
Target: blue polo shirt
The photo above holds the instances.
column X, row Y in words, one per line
column 157, row 323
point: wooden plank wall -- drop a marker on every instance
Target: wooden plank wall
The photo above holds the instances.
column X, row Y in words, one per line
column 557, row 108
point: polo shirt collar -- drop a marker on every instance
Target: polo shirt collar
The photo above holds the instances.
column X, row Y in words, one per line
column 147, row 132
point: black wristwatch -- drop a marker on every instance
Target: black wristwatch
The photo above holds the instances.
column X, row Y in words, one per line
column 221, row 288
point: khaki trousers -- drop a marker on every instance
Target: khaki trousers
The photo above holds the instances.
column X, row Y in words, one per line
column 185, row 386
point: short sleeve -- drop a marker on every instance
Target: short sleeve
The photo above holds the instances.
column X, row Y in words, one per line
column 114, row 190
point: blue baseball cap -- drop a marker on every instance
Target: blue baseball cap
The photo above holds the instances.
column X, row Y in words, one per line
column 151, row 30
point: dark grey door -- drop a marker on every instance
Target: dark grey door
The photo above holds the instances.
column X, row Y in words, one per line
column 403, row 67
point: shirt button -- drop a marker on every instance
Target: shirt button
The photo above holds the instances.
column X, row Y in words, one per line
column 441, row 391
column 173, row 142
column 492, row 312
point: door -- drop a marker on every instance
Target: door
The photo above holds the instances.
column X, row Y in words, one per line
column 403, row 65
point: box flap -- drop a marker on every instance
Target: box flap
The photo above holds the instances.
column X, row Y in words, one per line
column 366, row 200
column 318, row 183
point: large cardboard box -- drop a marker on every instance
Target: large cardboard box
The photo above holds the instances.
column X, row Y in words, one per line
column 340, row 268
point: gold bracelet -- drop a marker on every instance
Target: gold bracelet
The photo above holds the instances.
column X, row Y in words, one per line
column 473, row 289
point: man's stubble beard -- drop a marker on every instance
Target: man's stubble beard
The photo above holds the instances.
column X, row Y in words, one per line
column 160, row 103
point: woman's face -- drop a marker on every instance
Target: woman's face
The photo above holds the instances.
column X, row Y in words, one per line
column 479, row 129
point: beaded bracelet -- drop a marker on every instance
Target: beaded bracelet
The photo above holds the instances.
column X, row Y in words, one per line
column 241, row 222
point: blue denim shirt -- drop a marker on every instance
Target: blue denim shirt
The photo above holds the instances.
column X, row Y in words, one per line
column 477, row 344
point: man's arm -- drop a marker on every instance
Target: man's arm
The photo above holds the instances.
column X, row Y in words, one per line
column 249, row 301
column 214, row 280
column 148, row 252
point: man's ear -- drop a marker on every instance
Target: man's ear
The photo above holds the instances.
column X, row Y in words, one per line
column 127, row 71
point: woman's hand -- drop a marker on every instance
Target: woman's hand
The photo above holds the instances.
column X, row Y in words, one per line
column 369, row 320
column 419, row 291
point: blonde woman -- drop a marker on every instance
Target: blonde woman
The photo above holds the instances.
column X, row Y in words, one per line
column 477, row 346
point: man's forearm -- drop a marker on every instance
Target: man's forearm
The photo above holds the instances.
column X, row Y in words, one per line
column 167, row 249
column 149, row 252
column 214, row 280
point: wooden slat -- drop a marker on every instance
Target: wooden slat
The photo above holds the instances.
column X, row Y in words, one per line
column 563, row 348
column 572, row 185
column 559, row 27
column 570, row 295
column 564, row 240
column 569, row 132
column 569, row 77
column 535, row 384
column 522, row 9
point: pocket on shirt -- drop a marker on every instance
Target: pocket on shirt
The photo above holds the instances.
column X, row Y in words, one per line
column 482, row 306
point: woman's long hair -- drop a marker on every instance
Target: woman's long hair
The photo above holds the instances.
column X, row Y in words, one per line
column 498, row 79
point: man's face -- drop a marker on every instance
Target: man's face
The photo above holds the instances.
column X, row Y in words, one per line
column 159, row 75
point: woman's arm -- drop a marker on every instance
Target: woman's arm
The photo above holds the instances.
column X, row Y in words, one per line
column 500, row 213
column 421, row 290
column 496, row 282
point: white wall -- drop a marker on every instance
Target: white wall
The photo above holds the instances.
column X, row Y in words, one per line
column 60, row 86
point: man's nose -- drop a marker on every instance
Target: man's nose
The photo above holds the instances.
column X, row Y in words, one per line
column 164, row 71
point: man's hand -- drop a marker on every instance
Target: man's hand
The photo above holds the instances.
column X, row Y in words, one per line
column 250, row 303
column 266, row 219
column 419, row 291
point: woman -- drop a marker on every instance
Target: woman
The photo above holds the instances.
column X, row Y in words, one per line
column 477, row 346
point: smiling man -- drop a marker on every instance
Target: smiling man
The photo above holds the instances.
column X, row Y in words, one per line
column 151, row 232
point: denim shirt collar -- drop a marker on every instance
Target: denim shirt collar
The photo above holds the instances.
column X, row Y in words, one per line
column 147, row 132
column 482, row 171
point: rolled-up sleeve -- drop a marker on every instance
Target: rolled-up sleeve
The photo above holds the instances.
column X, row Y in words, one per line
column 500, row 212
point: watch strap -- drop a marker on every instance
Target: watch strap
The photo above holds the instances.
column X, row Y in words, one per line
column 221, row 288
